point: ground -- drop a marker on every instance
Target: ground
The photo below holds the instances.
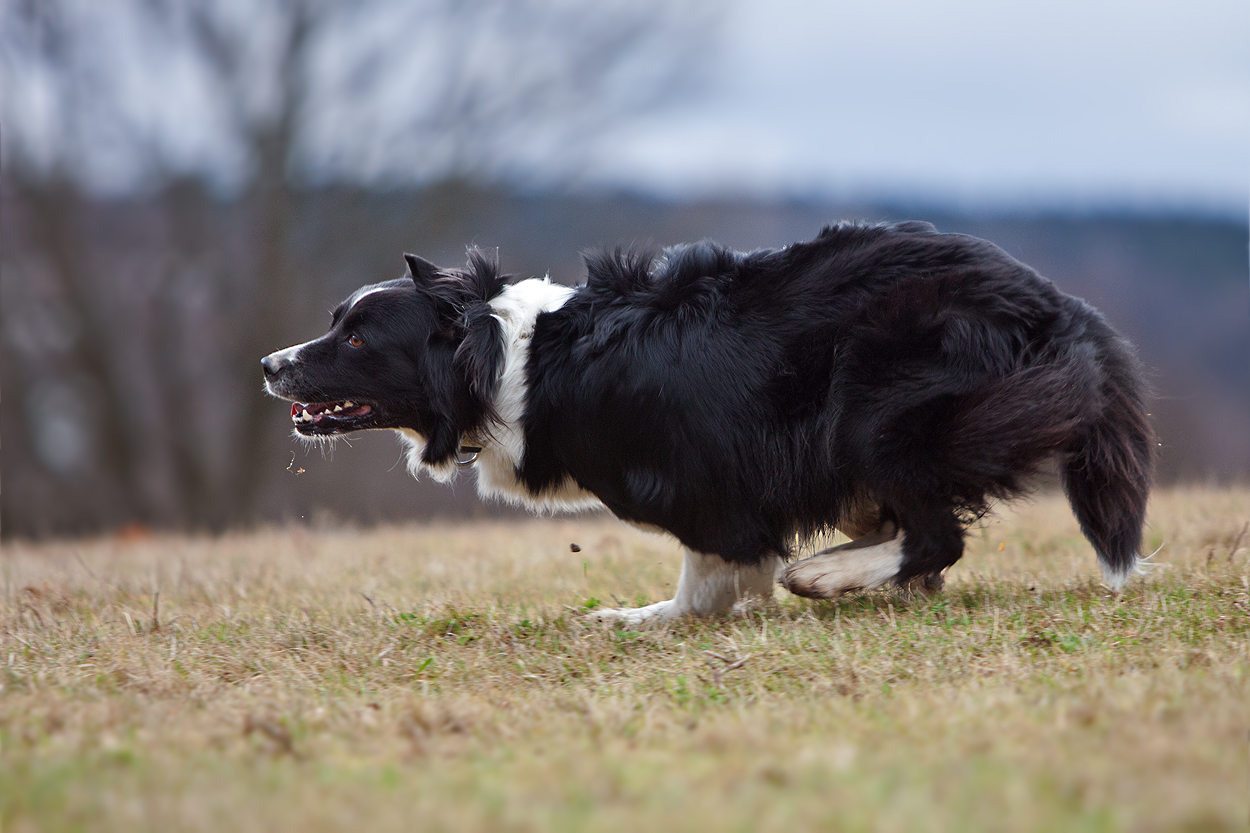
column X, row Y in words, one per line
column 445, row 678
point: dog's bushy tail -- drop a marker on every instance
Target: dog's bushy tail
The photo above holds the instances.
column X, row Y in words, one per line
column 1084, row 402
column 1107, row 472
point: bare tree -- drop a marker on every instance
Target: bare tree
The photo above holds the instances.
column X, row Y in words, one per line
column 204, row 125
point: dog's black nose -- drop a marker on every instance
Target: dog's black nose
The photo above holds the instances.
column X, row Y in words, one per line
column 271, row 366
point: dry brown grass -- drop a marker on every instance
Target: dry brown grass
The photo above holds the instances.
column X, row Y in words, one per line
column 442, row 677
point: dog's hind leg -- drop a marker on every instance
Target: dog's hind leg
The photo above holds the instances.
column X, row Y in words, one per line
column 709, row 586
column 862, row 520
column 867, row 562
column 870, row 561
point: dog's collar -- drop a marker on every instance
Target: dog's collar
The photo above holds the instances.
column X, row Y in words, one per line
column 472, row 451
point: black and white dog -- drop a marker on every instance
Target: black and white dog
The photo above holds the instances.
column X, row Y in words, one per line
column 886, row 380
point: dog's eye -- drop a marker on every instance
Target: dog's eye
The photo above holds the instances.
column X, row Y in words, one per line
column 355, row 340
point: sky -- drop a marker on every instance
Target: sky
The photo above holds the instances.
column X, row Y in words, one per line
column 972, row 103
column 1064, row 102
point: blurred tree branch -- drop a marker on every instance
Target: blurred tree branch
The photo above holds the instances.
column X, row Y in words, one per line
column 171, row 110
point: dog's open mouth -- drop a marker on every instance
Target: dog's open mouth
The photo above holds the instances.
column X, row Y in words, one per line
column 330, row 417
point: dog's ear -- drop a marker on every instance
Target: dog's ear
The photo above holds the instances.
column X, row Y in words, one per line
column 422, row 271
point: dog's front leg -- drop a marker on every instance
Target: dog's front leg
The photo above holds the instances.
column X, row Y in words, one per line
column 709, row 586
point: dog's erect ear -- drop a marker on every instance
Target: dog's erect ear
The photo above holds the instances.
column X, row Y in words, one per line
column 422, row 271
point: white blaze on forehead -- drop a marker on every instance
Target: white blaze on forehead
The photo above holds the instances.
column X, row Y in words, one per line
column 364, row 292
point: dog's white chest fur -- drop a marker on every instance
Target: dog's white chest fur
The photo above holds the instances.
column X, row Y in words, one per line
column 516, row 309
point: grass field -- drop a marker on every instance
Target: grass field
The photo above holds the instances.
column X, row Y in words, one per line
column 444, row 678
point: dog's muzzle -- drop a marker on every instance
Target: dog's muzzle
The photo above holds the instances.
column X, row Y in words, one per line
column 271, row 365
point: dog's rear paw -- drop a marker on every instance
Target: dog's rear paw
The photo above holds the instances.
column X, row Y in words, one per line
column 821, row 579
column 859, row 565
column 658, row 612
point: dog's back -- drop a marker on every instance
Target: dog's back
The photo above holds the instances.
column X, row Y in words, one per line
column 740, row 399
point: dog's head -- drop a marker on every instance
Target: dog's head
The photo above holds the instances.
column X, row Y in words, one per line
column 419, row 354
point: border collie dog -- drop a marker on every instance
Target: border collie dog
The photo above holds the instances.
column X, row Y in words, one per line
column 885, row 380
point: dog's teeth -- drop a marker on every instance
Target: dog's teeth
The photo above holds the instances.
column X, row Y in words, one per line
column 349, row 405
column 338, row 408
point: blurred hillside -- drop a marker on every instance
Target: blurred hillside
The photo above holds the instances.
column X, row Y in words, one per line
column 161, row 278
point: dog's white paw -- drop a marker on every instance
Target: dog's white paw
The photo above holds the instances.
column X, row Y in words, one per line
column 658, row 612
column 860, row 565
